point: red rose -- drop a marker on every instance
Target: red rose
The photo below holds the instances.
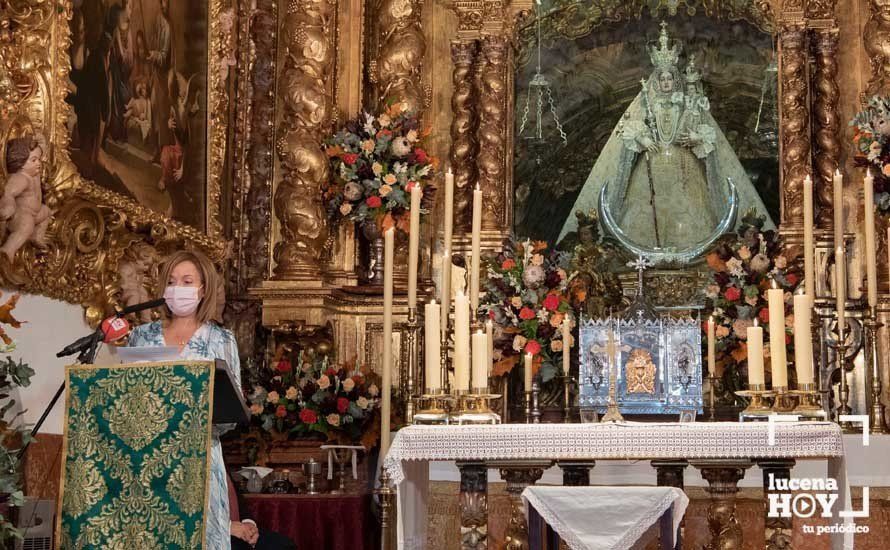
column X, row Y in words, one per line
column 358, row 380
column 284, row 366
column 373, row 202
column 342, row 405
column 533, row 347
column 791, row 278
column 421, row 155
column 551, row 302
column 350, row 158
column 764, row 315
column 732, row 294
column 508, row 264
column 307, row 416
column 526, row 314
column 331, row 372
column 281, row 411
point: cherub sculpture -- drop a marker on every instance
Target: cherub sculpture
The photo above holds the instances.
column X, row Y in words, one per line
column 25, row 216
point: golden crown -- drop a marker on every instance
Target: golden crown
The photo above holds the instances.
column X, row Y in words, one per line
column 663, row 56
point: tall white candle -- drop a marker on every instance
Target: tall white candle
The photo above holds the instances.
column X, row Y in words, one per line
column 461, row 342
column 414, row 244
column 712, row 347
column 489, row 332
column 476, row 250
column 432, row 346
column 527, row 372
column 386, row 375
column 445, row 296
column 480, row 360
column 840, row 283
column 566, row 345
column 755, row 356
column 803, row 340
column 838, row 208
column 809, row 246
column 871, row 254
column 778, row 360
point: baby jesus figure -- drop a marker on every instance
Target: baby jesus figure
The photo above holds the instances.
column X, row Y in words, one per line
column 22, row 203
column 138, row 113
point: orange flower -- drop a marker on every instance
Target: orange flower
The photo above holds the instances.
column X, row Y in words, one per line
column 538, row 246
column 715, row 263
column 334, row 151
column 740, row 353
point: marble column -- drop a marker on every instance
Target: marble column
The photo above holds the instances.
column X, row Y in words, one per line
column 723, row 476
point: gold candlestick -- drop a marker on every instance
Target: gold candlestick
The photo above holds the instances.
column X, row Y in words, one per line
column 759, row 408
column 567, row 388
column 412, row 347
column 712, row 383
column 434, row 407
column 843, row 407
column 873, row 372
column 808, row 406
column 475, row 408
column 782, row 402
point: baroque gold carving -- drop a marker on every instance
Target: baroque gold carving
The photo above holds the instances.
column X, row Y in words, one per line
column 308, row 58
column 464, row 122
column 92, row 227
column 826, row 120
column 401, row 53
column 492, row 133
column 876, row 40
column 795, row 131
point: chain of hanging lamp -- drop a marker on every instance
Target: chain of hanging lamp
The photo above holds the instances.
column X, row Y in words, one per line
column 543, row 93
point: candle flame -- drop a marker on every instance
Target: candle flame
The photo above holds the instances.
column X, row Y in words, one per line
column 837, row 172
column 756, row 322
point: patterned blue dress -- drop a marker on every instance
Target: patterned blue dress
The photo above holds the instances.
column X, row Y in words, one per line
column 210, row 341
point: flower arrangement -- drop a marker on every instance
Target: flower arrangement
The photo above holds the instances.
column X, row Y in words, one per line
column 871, row 138
column 527, row 298
column 305, row 394
column 742, row 268
column 375, row 163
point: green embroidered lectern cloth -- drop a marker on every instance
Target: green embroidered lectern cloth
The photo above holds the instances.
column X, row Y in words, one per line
column 136, row 457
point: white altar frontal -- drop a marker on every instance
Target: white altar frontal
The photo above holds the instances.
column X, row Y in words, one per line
column 720, row 452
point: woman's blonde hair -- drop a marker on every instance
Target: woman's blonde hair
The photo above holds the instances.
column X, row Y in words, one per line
column 209, row 281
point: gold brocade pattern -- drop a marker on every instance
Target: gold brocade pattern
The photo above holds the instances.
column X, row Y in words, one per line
column 137, row 457
column 86, row 486
column 640, row 372
column 140, row 419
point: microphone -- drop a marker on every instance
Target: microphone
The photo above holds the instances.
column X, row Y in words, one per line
column 114, row 328
column 80, row 344
column 135, row 308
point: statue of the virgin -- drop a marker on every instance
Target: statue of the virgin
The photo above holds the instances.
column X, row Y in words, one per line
column 669, row 178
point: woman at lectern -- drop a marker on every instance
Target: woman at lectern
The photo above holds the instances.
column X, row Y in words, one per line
column 190, row 287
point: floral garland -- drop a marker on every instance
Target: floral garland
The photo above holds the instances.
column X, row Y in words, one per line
column 743, row 267
column 871, row 138
column 307, row 395
column 376, row 162
column 527, row 298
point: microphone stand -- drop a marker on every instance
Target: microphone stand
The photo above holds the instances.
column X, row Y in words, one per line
column 86, row 356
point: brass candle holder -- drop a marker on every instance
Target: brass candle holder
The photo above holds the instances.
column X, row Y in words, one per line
column 873, row 372
column 809, row 406
column 532, row 407
column 412, row 348
column 434, row 407
column 567, row 389
column 475, row 408
column 843, row 407
column 783, row 402
column 712, row 407
column 759, row 407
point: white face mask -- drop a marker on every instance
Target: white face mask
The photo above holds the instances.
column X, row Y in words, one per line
column 182, row 300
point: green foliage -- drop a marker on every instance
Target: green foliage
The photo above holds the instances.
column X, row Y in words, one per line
column 13, row 435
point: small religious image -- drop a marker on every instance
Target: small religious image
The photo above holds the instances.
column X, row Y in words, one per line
column 640, row 372
column 138, row 79
column 666, row 127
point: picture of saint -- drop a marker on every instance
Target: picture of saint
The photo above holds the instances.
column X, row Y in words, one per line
column 138, row 74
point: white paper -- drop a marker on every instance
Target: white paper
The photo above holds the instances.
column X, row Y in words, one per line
column 141, row 354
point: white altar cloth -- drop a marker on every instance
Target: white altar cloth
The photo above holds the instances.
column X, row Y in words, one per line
column 407, row 461
column 606, row 518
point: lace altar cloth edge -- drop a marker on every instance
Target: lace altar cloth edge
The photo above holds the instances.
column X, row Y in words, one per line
column 623, row 440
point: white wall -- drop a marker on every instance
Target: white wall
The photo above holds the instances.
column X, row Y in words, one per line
column 51, row 325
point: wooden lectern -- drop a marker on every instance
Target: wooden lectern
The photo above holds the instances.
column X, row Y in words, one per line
column 136, row 450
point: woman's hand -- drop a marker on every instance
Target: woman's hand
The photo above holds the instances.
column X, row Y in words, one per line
column 245, row 531
column 648, row 144
column 689, row 139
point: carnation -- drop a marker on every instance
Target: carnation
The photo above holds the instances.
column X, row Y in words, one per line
column 526, row 314
column 373, row 202
column 533, row 347
column 308, row 416
column 551, row 302
column 281, row 411
column 508, row 264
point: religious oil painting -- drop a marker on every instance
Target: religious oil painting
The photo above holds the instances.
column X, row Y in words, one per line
column 665, row 125
column 139, row 89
